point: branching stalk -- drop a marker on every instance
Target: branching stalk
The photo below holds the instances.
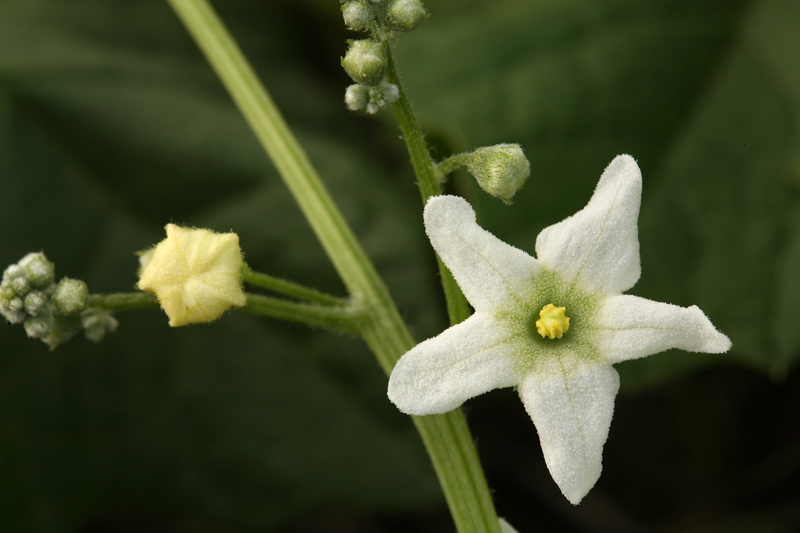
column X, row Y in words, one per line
column 289, row 288
column 446, row 437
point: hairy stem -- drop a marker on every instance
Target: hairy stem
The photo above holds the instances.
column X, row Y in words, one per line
column 429, row 183
column 337, row 318
column 124, row 301
column 289, row 288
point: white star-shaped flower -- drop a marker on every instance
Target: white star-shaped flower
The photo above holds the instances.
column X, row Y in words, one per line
column 550, row 326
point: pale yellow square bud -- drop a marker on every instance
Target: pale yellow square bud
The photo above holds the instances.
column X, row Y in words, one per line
column 196, row 274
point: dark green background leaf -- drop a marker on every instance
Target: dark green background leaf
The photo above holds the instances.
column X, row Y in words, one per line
column 112, row 125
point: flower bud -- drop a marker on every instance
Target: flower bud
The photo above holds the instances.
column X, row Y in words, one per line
column 96, row 324
column 358, row 14
column 13, row 309
column 21, row 286
column 38, row 327
column 71, row 296
column 196, row 274
column 38, row 270
column 500, row 170
column 35, row 303
column 383, row 94
column 365, row 61
column 405, row 15
column 356, row 97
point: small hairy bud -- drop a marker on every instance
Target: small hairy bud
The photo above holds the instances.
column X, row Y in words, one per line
column 38, row 327
column 405, row 15
column 38, row 270
column 13, row 310
column 96, row 324
column 365, row 61
column 356, row 97
column 196, row 274
column 21, row 286
column 35, row 303
column 383, row 94
column 71, row 296
column 500, row 170
column 358, row 14
column 370, row 99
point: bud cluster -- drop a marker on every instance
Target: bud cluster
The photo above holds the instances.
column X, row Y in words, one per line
column 50, row 311
column 367, row 60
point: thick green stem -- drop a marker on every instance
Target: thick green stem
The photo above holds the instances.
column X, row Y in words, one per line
column 429, row 182
column 449, row 444
column 289, row 288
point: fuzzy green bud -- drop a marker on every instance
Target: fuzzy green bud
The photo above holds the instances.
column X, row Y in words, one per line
column 358, row 14
column 12, row 272
column 13, row 310
column 38, row 327
column 356, row 97
column 405, row 15
column 500, row 170
column 383, row 94
column 366, row 61
column 35, row 303
column 38, row 270
column 71, row 296
column 96, row 324
column 21, row 286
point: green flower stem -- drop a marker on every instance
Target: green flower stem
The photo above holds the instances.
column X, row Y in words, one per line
column 449, row 444
column 124, row 301
column 430, row 184
column 338, row 318
column 289, row 288
column 451, row 164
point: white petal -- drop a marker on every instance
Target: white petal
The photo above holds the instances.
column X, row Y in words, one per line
column 571, row 407
column 599, row 245
column 466, row 360
column 631, row 327
column 493, row 275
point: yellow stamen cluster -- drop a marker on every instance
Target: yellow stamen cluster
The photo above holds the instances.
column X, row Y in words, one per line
column 552, row 323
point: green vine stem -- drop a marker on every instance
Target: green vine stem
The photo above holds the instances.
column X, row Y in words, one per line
column 446, row 437
column 430, row 184
column 123, row 301
column 337, row 318
column 289, row 288
column 451, row 164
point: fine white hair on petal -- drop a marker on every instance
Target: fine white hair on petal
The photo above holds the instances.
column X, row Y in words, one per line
column 493, row 275
column 572, row 406
column 630, row 327
column 599, row 245
column 466, row 360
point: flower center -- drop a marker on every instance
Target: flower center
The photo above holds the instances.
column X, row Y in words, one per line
column 552, row 323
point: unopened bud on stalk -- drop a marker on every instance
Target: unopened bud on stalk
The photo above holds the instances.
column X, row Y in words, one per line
column 356, row 97
column 196, row 274
column 358, row 14
column 500, row 170
column 405, row 15
column 365, row 61
column 71, row 296
column 97, row 323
